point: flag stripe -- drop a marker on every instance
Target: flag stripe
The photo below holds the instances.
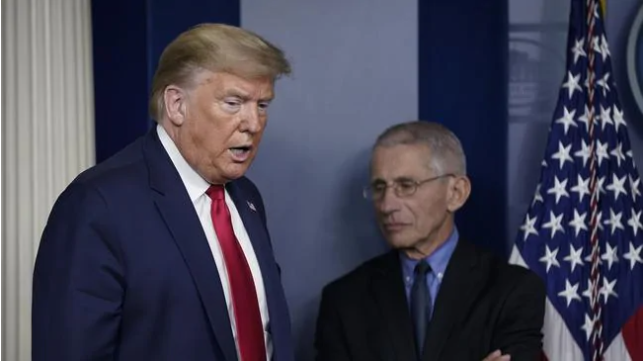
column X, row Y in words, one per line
column 632, row 332
column 557, row 341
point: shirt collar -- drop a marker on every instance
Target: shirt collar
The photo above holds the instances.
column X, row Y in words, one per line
column 437, row 260
column 194, row 183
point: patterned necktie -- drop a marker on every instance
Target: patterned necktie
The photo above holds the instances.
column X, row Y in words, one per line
column 420, row 305
column 248, row 320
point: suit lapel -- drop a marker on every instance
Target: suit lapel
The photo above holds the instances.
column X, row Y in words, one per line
column 175, row 207
column 463, row 281
column 254, row 227
column 275, row 299
column 389, row 293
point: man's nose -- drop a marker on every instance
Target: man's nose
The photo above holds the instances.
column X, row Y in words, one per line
column 389, row 202
column 251, row 121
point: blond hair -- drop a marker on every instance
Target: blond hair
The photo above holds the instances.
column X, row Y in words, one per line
column 446, row 149
column 218, row 48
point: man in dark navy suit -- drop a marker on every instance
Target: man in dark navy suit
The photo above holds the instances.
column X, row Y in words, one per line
column 162, row 251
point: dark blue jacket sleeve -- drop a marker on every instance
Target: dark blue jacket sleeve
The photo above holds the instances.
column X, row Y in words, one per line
column 78, row 281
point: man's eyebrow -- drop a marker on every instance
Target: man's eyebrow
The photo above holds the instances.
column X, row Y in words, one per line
column 245, row 96
column 404, row 179
column 397, row 179
column 235, row 93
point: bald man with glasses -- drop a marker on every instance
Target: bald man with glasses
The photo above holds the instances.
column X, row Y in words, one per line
column 434, row 296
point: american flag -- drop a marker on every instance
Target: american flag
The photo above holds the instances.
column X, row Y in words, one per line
column 582, row 233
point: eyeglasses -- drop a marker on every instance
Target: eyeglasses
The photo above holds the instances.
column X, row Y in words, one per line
column 402, row 188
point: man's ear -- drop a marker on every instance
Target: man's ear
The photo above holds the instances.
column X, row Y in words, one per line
column 458, row 193
column 174, row 99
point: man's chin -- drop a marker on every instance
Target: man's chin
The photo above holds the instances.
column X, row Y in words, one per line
column 399, row 242
column 227, row 175
column 236, row 170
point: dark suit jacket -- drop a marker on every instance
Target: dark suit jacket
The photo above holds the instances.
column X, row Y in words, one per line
column 483, row 304
column 124, row 270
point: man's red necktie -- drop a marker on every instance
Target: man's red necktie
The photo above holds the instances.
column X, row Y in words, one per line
column 248, row 320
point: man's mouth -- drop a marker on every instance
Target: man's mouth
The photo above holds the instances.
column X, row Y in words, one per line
column 394, row 227
column 241, row 153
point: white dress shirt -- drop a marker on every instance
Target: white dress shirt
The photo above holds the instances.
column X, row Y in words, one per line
column 197, row 187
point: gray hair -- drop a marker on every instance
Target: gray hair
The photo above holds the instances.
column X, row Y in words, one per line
column 445, row 148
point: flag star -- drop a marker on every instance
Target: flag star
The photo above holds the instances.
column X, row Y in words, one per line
column 603, row 48
column 601, row 152
column 603, row 84
column 610, row 255
column 567, row 119
column 570, row 293
column 578, row 49
column 554, row 225
column 559, row 189
column 537, row 195
column 596, row 10
column 595, row 44
column 604, row 117
column 617, row 186
column 619, row 154
column 599, row 220
column 574, row 257
column 607, row 289
column 550, row 258
column 635, row 187
column 633, row 255
column 599, row 187
column 572, row 84
column 588, row 326
column 584, row 152
column 615, row 221
column 618, row 117
column 578, row 222
column 635, row 222
column 563, row 154
column 588, row 293
column 528, row 227
column 582, row 187
column 585, row 118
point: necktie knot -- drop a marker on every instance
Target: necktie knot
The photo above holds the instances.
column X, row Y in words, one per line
column 215, row 192
column 422, row 268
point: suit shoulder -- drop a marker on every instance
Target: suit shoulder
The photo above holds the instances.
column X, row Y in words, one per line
column 116, row 176
column 512, row 276
column 504, row 275
column 118, row 169
column 245, row 184
column 524, row 277
column 356, row 280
